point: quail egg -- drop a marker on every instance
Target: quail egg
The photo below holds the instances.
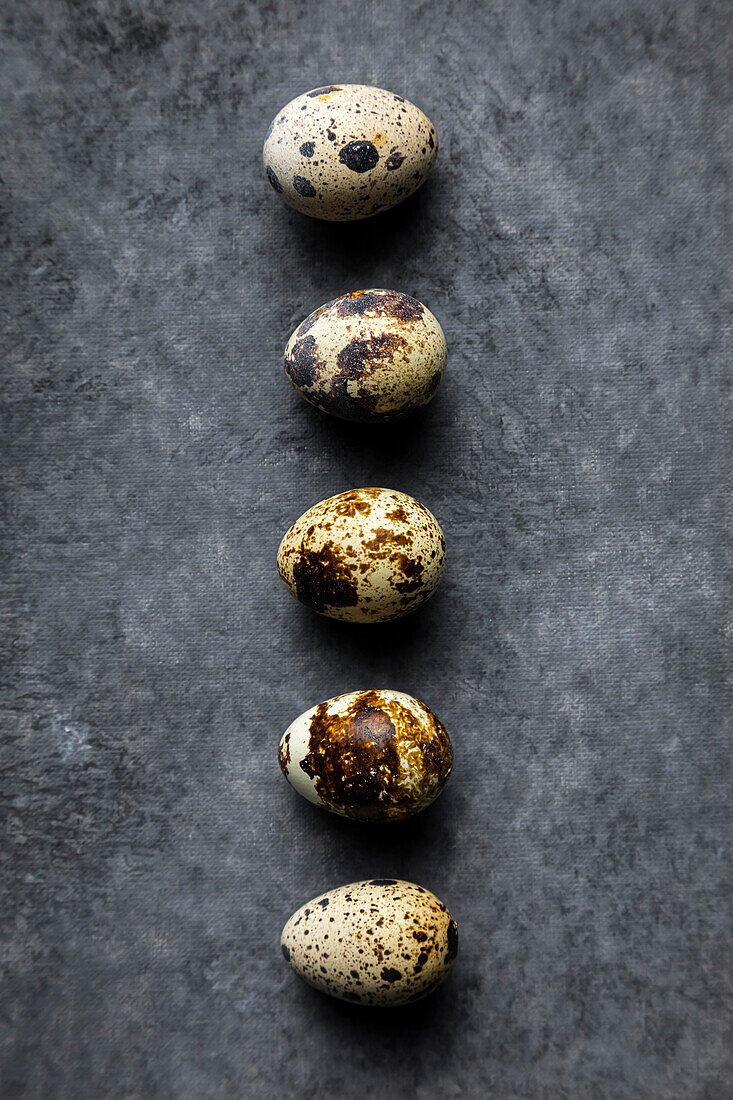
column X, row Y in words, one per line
column 347, row 151
column 367, row 555
column 379, row 942
column 372, row 355
column 369, row 755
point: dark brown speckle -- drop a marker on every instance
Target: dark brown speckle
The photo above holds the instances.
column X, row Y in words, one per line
column 323, row 580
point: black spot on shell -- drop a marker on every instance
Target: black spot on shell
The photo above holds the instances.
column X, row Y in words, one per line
column 301, row 366
column 330, row 135
column 390, row 974
column 359, row 156
column 356, row 356
column 286, row 952
column 324, row 902
column 393, row 303
column 394, row 160
column 304, row 187
column 307, row 149
column 322, row 580
column 274, row 181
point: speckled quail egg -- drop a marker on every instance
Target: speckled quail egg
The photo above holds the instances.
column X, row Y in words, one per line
column 348, row 151
column 372, row 355
column 370, row 755
column 363, row 556
column 381, row 942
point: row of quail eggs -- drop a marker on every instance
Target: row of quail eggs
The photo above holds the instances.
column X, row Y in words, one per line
column 343, row 153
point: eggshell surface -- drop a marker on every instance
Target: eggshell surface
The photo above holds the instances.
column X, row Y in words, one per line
column 371, row 355
column 375, row 755
column 366, row 555
column 348, row 151
column 379, row 942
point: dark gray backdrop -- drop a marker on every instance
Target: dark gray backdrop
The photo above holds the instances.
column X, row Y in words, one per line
column 571, row 243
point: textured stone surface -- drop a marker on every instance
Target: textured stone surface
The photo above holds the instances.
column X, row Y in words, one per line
column 571, row 243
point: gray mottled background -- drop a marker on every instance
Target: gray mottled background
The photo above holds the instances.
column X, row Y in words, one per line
column 572, row 243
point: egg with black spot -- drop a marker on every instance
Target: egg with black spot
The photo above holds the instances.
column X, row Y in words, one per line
column 376, row 755
column 370, row 356
column 379, row 942
column 366, row 555
column 347, row 151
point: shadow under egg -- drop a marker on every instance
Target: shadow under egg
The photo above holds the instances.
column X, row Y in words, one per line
column 350, row 250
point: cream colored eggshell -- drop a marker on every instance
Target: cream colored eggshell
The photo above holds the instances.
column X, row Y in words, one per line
column 375, row 755
column 380, row 942
column 368, row 355
column 367, row 555
column 348, row 151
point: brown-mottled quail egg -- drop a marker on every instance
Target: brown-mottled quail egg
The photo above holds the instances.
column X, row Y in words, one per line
column 381, row 942
column 369, row 755
column 364, row 556
column 369, row 355
column 348, row 151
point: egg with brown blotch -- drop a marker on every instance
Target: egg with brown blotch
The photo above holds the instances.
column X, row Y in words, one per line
column 379, row 942
column 365, row 556
column 371, row 355
column 376, row 755
column 347, row 151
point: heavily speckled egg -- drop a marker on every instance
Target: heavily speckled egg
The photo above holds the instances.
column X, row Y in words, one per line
column 381, row 942
column 370, row 755
column 348, row 151
column 367, row 555
column 369, row 355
